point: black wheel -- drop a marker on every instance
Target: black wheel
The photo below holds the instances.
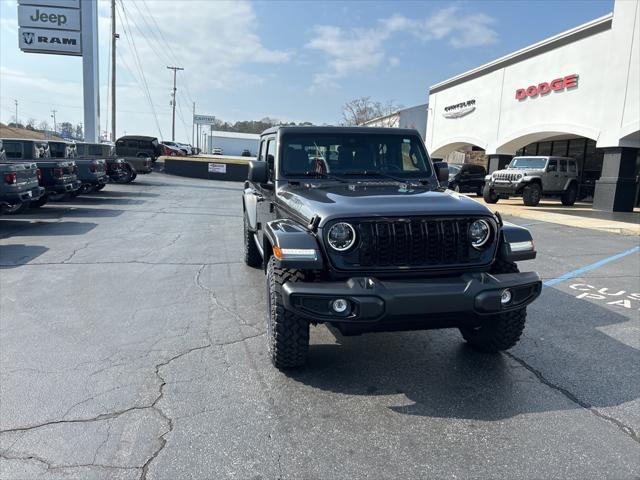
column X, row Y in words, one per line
column 40, row 202
column 134, row 174
column 570, row 195
column 498, row 332
column 252, row 255
column 532, row 194
column 58, row 197
column 126, row 178
column 489, row 195
column 287, row 334
column 16, row 208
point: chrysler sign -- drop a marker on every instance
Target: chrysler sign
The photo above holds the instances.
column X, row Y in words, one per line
column 459, row 109
column 544, row 88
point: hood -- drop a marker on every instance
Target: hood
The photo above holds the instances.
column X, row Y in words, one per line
column 342, row 200
column 523, row 171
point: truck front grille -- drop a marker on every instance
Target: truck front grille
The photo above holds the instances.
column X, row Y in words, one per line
column 506, row 176
column 411, row 243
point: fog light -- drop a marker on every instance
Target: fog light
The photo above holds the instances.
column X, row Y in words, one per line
column 340, row 305
column 505, row 297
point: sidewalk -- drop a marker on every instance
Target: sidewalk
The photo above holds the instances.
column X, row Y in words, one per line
column 580, row 215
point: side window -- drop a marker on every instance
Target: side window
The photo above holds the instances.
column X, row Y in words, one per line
column 263, row 145
column 572, row 167
column 553, row 166
column 563, row 166
column 120, row 143
column 132, row 143
column 271, row 157
column 13, row 150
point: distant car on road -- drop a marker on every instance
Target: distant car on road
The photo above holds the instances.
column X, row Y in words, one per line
column 216, row 151
column 170, row 151
column 246, row 153
column 467, row 178
column 180, row 147
column 138, row 146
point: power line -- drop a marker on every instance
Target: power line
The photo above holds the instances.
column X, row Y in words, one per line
column 128, row 36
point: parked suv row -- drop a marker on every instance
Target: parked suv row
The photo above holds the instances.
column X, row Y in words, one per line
column 35, row 172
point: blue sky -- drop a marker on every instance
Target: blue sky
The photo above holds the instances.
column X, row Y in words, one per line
column 295, row 61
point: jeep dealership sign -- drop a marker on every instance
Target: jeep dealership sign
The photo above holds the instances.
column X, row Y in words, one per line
column 50, row 26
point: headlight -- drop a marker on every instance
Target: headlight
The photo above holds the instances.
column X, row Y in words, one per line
column 341, row 236
column 479, row 233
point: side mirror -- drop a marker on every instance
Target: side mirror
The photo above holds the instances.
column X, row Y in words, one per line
column 442, row 171
column 257, row 171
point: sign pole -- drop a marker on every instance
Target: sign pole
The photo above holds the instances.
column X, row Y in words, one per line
column 90, row 80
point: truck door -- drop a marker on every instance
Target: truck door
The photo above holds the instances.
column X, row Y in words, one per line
column 551, row 179
column 266, row 191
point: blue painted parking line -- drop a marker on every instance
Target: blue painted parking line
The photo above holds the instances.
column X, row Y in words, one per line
column 593, row 266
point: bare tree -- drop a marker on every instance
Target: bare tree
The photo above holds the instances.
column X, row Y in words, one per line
column 43, row 126
column 362, row 109
column 31, row 124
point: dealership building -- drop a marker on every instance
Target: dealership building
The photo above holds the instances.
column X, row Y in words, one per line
column 575, row 94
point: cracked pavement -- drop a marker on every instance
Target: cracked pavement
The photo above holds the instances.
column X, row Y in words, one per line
column 132, row 347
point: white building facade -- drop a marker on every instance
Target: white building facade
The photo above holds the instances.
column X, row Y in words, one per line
column 233, row 143
column 412, row 117
column 575, row 94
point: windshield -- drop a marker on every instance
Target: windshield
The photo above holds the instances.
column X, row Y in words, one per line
column 353, row 154
column 454, row 169
column 528, row 162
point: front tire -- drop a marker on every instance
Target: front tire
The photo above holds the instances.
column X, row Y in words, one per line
column 498, row 332
column 287, row 334
column 252, row 256
column 489, row 195
column 531, row 195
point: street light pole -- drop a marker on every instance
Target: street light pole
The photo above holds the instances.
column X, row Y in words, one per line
column 53, row 115
column 173, row 118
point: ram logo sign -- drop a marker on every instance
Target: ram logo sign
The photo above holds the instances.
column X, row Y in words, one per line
column 41, row 40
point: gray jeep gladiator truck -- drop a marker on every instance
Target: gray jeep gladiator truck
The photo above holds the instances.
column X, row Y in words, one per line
column 121, row 169
column 19, row 185
column 57, row 176
column 534, row 178
column 92, row 172
column 353, row 230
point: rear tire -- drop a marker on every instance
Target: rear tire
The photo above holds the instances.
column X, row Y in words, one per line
column 252, row 256
column 16, row 208
column 287, row 334
column 570, row 195
column 498, row 332
column 531, row 195
column 40, row 202
column 489, row 195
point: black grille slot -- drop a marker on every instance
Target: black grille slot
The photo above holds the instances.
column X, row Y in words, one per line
column 410, row 243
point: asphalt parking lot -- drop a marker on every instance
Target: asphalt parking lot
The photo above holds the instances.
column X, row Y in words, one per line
column 132, row 346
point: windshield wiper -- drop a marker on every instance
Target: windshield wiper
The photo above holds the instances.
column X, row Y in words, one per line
column 366, row 173
column 317, row 175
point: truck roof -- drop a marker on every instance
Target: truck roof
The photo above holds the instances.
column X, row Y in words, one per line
column 340, row 130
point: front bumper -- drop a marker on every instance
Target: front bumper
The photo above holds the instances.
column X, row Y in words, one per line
column 507, row 187
column 409, row 304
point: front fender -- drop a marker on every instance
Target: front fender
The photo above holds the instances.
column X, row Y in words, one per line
column 293, row 245
column 516, row 243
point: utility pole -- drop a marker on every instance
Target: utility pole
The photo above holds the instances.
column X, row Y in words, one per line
column 16, row 102
column 193, row 124
column 53, row 115
column 173, row 103
column 114, row 37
